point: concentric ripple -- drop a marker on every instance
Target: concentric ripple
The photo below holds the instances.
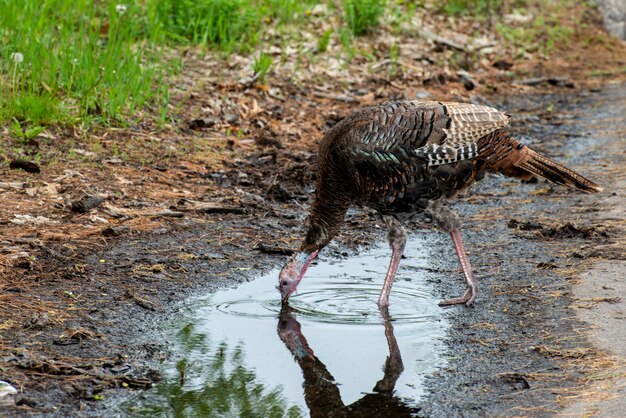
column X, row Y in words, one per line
column 343, row 292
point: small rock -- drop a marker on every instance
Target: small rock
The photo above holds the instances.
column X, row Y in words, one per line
column 502, row 65
column 124, row 368
column 115, row 231
column 37, row 321
column 614, row 14
column 26, row 401
column 560, row 82
column 524, row 225
column 422, row 94
column 202, row 123
column 98, row 219
column 467, row 80
column 231, row 118
column 268, row 141
column 6, row 389
column 87, row 203
column 27, row 166
column 12, row 185
column 29, row 219
column 277, row 192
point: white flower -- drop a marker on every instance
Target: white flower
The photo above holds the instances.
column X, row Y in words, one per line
column 17, row 57
column 121, row 8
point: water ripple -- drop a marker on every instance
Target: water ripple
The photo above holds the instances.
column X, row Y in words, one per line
column 339, row 302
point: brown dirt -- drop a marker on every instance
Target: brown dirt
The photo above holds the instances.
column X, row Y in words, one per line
column 233, row 170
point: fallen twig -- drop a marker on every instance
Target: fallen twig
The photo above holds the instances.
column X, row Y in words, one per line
column 337, row 97
column 164, row 213
column 273, row 249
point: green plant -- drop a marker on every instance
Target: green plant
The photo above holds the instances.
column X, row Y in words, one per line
column 24, row 134
column 394, row 57
column 345, row 37
column 287, row 11
column 324, row 41
column 261, row 65
column 363, row 15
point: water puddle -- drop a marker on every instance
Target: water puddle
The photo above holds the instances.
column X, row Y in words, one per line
column 332, row 352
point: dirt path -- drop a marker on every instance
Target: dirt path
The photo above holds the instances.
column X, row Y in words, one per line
column 600, row 290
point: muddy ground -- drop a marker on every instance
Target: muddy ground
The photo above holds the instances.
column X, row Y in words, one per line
column 100, row 249
column 520, row 351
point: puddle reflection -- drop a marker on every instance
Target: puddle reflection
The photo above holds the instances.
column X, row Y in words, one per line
column 321, row 390
column 228, row 361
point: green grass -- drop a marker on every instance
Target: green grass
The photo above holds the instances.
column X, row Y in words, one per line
column 541, row 35
column 86, row 62
column 323, row 41
column 81, row 62
column 224, row 24
column 363, row 15
column 101, row 62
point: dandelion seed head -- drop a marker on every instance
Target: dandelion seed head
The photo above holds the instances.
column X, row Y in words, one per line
column 17, row 57
column 121, row 9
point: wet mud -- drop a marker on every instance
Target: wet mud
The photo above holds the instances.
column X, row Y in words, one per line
column 520, row 350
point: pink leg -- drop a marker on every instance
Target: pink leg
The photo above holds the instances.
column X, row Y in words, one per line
column 470, row 294
column 397, row 240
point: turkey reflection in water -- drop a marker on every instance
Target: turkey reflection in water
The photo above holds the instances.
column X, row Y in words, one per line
column 321, row 391
column 231, row 362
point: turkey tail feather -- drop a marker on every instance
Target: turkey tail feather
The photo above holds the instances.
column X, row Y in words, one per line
column 505, row 155
column 557, row 173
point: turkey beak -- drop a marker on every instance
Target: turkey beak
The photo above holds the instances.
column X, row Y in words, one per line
column 292, row 273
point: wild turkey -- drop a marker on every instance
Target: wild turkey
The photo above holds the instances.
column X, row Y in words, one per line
column 412, row 156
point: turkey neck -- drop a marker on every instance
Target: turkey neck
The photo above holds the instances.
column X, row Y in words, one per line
column 326, row 216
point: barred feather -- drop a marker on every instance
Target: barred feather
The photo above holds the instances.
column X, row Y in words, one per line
column 471, row 122
column 447, row 154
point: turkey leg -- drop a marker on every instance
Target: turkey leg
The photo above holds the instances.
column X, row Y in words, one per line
column 449, row 221
column 397, row 240
column 470, row 294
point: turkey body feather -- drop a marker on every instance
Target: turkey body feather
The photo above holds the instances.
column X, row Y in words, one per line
column 398, row 155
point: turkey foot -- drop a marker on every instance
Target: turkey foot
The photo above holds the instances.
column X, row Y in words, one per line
column 470, row 294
